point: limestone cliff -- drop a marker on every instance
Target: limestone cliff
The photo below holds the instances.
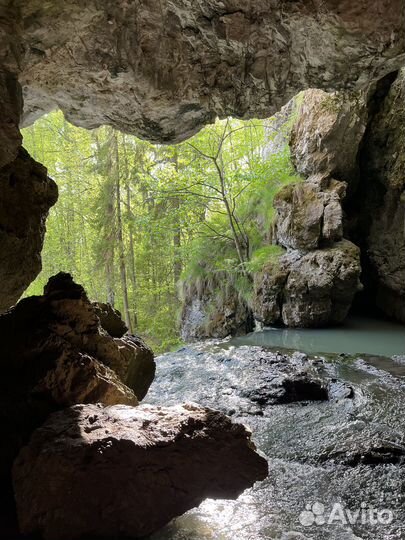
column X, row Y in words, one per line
column 163, row 69
column 315, row 282
column 350, row 146
column 213, row 308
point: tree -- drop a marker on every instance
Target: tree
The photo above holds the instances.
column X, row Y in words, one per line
column 133, row 219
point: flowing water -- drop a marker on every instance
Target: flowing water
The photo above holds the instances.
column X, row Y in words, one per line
column 343, row 452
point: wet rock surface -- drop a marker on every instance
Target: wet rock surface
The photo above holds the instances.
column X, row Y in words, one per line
column 127, row 471
column 254, row 379
column 346, row 449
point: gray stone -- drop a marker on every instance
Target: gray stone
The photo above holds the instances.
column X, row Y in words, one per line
column 125, row 472
column 208, row 313
column 321, row 286
column 326, row 137
column 311, row 289
column 162, row 70
column 309, row 214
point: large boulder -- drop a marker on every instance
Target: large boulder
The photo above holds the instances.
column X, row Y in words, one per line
column 125, row 472
column 268, row 292
column 56, row 354
column 321, row 285
column 128, row 355
column 309, row 214
column 308, row 290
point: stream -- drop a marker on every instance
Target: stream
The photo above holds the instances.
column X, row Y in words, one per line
column 331, row 425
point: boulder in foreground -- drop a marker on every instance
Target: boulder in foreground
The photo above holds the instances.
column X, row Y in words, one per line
column 56, row 353
column 125, row 471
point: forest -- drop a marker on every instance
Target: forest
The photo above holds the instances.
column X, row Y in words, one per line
column 136, row 223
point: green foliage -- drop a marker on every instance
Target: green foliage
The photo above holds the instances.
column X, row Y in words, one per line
column 212, row 265
column 134, row 220
column 261, row 257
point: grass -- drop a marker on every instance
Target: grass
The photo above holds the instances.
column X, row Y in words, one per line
column 263, row 256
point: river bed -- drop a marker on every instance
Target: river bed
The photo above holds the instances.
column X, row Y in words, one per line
column 336, row 449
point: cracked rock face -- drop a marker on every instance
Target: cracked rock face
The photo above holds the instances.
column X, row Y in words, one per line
column 162, row 70
column 326, row 137
column 308, row 290
column 26, row 194
column 310, row 213
column 128, row 471
column 321, row 286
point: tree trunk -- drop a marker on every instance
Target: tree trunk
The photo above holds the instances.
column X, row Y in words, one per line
column 131, row 243
column 131, row 256
column 120, row 237
column 177, row 262
column 108, row 225
column 235, row 235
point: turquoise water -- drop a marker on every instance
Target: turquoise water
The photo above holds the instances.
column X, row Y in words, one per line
column 356, row 336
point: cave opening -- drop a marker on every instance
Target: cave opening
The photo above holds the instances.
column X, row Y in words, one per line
column 130, row 212
column 256, row 227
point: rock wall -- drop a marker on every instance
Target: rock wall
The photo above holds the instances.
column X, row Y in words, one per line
column 26, row 194
column 315, row 282
column 213, row 309
column 350, row 148
column 311, row 289
column 377, row 211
